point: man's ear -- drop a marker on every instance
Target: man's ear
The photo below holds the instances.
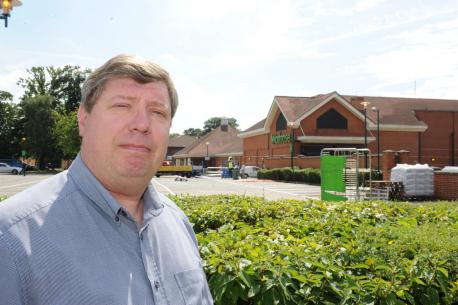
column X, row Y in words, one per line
column 82, row 116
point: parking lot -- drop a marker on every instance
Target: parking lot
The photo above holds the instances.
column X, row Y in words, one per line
column 12, row 184
column 271, row 190
column 214, row 185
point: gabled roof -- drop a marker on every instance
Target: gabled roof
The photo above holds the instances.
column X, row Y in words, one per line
column 221, row 143
column 181, row 141
column 395, row 113
column 294, row 107
column 256, row 126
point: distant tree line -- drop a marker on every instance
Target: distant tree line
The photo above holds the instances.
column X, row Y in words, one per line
column 43, row 124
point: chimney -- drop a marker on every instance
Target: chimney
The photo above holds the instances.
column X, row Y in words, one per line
column 224, row 124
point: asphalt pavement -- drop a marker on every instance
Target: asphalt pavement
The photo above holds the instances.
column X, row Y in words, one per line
column 12, row 184
column 268, row 189
column 271, row 190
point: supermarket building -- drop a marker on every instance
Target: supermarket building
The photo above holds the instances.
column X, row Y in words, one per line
column 411, row 130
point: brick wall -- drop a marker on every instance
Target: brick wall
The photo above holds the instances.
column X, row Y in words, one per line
column 355, row 124
column 436, row 141
column 446, row 186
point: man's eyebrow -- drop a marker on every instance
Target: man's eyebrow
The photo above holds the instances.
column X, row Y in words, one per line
column 133, row 98
column 124, row 97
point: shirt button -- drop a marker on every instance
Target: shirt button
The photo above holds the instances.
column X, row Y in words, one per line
column 156, row 284
column 141, row 236
column 117, row 218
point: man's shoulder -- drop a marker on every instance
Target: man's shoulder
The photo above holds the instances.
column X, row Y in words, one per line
column 33, row 199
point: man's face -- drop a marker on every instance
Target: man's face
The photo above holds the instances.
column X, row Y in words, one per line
column 126, row 133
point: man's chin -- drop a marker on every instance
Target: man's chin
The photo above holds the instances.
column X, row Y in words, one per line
column 139, row 173
column 135, row 170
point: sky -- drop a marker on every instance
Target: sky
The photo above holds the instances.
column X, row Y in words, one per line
column 231, row 58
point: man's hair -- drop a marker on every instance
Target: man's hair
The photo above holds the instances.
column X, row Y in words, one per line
column 123, row 65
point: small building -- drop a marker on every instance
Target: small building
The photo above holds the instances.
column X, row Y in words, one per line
column 178, row 143
column 212, row 149
column 296, row 129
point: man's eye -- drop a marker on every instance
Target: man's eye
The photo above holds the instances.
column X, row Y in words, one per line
column 158, row 112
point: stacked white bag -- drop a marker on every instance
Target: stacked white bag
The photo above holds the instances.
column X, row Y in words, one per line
column 450, row 169
column 418, row 179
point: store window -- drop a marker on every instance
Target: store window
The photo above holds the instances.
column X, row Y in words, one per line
column 331, row 119
column 281, row 122
column 313, row 150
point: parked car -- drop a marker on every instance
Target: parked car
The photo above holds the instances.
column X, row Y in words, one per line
column 249, row 171
column 5, row 168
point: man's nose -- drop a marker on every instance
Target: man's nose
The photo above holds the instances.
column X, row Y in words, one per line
column 141, row 121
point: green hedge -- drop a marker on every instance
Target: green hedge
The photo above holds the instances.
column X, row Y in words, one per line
column 295, row 252
column 309, row 175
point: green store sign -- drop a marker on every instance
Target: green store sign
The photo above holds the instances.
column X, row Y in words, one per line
column 279, row 139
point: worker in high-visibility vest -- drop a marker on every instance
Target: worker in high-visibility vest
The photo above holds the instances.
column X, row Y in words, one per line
column 230, row 165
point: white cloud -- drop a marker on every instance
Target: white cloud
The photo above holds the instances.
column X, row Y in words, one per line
column 252, row 32
column 8, row 80
column 199, row 102
column 343, row 8
column 441, row 87
column 427, row 55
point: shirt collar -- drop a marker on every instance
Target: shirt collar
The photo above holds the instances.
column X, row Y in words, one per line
column 99, row 195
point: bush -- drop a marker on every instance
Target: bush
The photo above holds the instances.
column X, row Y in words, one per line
column 309, row 175
column 311, row 252
column 363, row 178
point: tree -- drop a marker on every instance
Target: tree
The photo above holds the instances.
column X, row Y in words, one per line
column 215, row 122
column 38, row 128
column 10, row 126
column 62, row 83
column 5, row 96
column 174, row 135
column 66, row 134
column 193, row 132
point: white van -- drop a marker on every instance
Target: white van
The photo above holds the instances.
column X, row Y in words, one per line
column 249, row 171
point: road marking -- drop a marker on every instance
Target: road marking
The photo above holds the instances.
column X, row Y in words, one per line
column 20, row 184
column 166, row 188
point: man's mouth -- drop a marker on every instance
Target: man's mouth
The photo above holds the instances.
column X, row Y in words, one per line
column 136, row 147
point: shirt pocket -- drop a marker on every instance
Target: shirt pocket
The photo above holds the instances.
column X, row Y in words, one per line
column 191, row 286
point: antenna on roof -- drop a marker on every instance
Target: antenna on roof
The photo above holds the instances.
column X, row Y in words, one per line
column 415, row 88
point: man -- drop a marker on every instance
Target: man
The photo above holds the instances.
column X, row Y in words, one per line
column 100, row 233
column 230, row 166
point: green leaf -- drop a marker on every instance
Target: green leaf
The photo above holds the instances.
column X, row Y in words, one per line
column 443, row 271
column 419, row 281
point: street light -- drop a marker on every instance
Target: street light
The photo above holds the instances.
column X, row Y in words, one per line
column 206, row 157
column 23, row 151
column 291, row 125
column 378, row 136
column 7, row 7
column 365, row 104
